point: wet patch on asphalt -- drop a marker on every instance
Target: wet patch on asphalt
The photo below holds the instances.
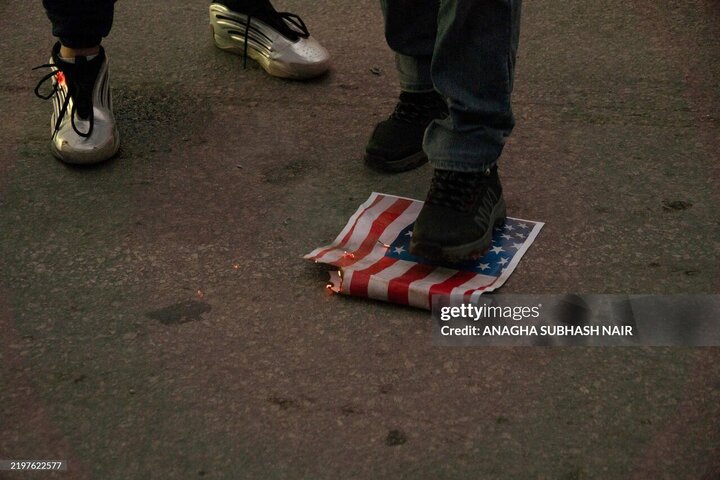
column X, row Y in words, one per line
column 183, row 312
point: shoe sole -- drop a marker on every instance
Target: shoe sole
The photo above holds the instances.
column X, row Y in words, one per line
column 465, row 252
column 236, row 45
column 88, row 158
column 405, row 164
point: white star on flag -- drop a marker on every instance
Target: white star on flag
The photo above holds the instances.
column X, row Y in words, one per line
column 506, row 236
column 409, row 233
column 523, row 225
column 503, row 261
column 483, row 266
column 520, row 235
column 497, row 249
column 509, row 227
column 399, row 249
column 517, row 246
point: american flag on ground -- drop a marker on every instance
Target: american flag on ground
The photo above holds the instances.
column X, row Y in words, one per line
column 372, row 257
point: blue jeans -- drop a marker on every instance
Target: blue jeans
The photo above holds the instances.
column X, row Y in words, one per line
column 465, row 50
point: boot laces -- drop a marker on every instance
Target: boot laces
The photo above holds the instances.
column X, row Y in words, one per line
column 419, row 113
column 458, row 190
column 79, row 88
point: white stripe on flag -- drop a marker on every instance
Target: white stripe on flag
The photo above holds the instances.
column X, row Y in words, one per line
column 378, row 285
column 361, row 231
column 387, row 237
column 457, row 295
column 407, row 217
column 419, row 290
column 347, row 228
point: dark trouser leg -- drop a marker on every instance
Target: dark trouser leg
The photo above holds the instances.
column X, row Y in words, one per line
column 80, row 23
column 410, row 28
column 245, row 5
column 472, row 68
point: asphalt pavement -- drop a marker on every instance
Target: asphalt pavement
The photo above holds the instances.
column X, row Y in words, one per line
column 157, row 320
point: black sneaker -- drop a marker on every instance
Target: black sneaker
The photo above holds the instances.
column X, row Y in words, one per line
column 456, row 223
column 396, row 143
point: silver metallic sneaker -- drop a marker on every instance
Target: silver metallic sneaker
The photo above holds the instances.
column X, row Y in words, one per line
column 82, row 125
column 278, row 41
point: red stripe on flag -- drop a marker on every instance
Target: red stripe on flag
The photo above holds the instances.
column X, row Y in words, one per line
column 398, row 287
column 473, row 290
column 377, row 228
column 361, row 278
column 352, row 229
column 444, row 288
column 468, row 295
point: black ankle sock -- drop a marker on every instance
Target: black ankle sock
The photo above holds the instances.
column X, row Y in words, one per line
column 420, row 97
column 247, row 6
column 264, row 11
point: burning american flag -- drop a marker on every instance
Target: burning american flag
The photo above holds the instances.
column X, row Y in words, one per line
column 373, row 259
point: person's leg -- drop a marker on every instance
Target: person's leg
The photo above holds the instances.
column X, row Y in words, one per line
column 472, row 68
column 396, row 143
column 80, row 25
column 83, row 126
column 279, row 41
column 410, row 27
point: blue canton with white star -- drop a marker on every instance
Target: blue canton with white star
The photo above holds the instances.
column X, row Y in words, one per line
column 507, row 240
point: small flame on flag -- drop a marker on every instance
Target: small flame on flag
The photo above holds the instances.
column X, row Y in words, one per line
column 335, row 283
